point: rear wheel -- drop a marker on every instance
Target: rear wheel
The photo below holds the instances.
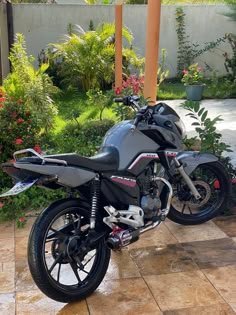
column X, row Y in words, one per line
column 213, row 184
column 60, row 261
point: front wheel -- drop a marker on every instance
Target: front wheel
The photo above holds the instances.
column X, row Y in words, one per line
column 62, row 264
column 213, row 184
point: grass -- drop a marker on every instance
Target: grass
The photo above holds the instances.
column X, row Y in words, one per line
column 176, row 90
column 170, row 2
column 72, row 105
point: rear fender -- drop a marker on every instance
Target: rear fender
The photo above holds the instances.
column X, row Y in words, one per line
column 191, row 159
column 66, row 175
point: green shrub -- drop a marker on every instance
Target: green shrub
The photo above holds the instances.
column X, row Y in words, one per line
column 205, row 127
column 83, row 139
column 34, row 199
column 33, row 86
column 88, row 58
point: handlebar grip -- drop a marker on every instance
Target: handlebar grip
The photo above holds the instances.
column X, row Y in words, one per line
column 118, row 100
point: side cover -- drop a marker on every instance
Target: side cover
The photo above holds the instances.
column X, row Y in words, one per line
column 67, row 176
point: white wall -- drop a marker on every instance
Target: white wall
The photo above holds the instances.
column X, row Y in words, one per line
column 42, row 24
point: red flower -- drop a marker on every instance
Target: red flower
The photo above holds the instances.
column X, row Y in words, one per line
column 28, row 113
column 185, row 71
column 21, row 220
column 14, row 114
column 19, row 101
column 20, row 121
column 12, row 161
column 18, row 141
column 1, row 205
column 2, row 99
column 37, row 148
column 117, row 91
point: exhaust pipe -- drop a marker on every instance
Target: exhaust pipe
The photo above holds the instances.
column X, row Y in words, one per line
column 122, row 238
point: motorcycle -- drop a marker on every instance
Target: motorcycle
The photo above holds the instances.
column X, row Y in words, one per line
column 140, row 176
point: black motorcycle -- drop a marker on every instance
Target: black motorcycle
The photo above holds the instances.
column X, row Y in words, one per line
column 140, row 176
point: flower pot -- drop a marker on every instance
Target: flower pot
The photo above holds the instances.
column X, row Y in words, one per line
column 194, row 92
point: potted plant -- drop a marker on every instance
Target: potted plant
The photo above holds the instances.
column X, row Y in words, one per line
column 193, row 80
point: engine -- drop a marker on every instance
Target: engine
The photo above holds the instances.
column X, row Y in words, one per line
column 150, row 200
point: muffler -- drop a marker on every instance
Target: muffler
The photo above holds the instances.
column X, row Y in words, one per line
column 121, row 238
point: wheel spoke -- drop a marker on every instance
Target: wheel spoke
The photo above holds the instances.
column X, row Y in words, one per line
column 58, row 272
column 74, row 267
column 89, row 259
column 184, row 205
column 55, row 263
column 190, row 211
column 55, row 232
column 51, row 240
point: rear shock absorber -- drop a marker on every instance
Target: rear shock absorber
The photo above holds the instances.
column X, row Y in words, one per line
column 95, row 193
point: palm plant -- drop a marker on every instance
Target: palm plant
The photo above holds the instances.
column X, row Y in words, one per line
column 88, row 57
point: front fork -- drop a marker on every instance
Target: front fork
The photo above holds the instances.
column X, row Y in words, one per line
column 187, row 179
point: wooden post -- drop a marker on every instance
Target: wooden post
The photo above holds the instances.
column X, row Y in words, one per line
column 152, row 47
column 118, row 44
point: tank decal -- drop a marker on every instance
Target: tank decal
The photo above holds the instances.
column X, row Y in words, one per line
column 144, row 156
column 125, row 181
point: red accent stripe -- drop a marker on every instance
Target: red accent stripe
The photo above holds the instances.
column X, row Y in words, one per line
column 124, row 182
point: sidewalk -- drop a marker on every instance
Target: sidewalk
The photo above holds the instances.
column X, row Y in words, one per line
column 173, row 270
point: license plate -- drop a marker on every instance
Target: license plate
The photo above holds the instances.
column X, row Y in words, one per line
column 19, row 187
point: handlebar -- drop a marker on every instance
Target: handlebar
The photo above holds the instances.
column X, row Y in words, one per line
column 133, row 101
column 127, row 100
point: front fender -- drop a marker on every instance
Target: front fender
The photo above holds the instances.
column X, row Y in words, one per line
column 191, row 159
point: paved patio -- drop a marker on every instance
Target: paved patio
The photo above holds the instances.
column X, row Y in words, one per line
column 173, row 270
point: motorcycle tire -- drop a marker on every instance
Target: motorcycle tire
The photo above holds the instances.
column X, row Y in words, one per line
column 222, row 190
column 50, row 253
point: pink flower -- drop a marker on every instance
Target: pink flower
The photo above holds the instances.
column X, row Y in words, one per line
column 21, row 220
column 20, row 121
column 18, row 141
column 37, row 148
column 185, row 71
column 117, row 91
column 1, row 205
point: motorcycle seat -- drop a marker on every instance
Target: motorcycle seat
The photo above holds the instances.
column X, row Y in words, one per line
column 106, row 160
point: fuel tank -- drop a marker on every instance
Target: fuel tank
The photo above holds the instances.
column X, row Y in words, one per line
column 129, row 143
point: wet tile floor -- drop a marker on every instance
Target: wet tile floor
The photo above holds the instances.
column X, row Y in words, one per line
column 173, row 270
